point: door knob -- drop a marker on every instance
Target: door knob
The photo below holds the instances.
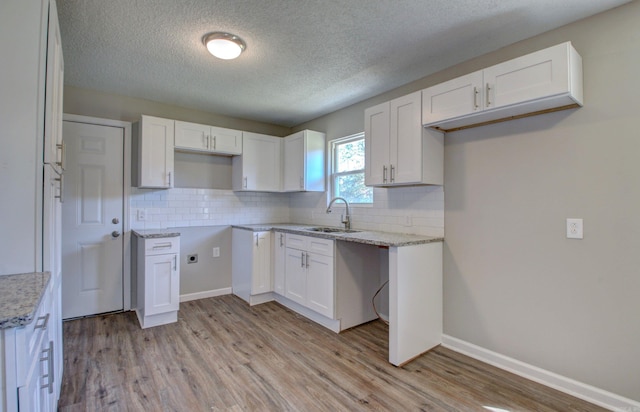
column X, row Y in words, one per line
column 115, row 220
column 115, row 233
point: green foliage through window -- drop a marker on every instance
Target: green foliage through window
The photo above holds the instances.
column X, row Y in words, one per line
column 347, row 178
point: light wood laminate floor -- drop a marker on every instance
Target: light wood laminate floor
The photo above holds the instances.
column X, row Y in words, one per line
column 222, row 355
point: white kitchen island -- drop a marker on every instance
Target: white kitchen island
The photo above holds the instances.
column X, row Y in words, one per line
column 363, row 260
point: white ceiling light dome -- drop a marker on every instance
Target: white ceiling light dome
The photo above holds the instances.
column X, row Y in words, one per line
column 223, row 45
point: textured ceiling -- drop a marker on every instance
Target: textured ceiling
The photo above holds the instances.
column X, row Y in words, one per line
column 304, row 58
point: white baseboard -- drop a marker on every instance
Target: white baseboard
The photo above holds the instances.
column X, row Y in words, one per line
column 205, row 294
column 572, row 387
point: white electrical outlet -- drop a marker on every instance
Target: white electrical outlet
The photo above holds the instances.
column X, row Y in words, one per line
column 142, row 214
column 216, row 252
column 574, row 228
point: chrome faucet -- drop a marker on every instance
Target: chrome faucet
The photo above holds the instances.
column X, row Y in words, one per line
column 346, row 218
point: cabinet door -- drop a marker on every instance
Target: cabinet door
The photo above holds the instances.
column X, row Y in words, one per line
column 53, row 150
column 293, row 176
column 30, row 396
column 405, row 140
column 156, row 152
column 295, row 276
column 225, row 141
column 279, row 255
column 162, row 284
column 192, row 136
column 454, row 98
column 320, row 284
column 262, row 280
column 536, row 75
column 260, row 162
column 376, row 136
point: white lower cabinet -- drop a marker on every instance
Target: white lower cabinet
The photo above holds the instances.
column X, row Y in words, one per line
column 252, row 278
column 279, row 256
column 158, row 273
column 32, row 358
column 309, row 273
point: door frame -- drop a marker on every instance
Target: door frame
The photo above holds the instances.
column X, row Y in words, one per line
column 126, row 193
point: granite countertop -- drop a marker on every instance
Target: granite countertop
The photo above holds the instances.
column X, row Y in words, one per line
column 368, row 237
column 155, row 233
column 20, row 296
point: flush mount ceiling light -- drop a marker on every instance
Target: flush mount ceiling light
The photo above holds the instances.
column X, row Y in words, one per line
column 223, row 45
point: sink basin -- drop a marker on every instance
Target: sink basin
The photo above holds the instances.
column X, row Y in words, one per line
column 331, row 230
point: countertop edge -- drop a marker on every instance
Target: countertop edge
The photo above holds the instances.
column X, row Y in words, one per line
column 23, row 280
column 155, row 233
column 369, row 237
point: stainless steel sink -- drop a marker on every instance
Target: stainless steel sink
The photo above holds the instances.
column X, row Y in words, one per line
column 331, row 230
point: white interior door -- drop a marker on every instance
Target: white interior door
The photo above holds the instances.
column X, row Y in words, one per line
column 92, row 216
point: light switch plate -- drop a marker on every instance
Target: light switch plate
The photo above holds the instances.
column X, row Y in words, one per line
column 574, row 228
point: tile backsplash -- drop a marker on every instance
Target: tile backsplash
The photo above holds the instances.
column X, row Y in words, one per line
column 417, row 210
column 180, row 207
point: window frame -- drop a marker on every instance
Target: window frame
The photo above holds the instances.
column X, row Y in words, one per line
column 334, row 175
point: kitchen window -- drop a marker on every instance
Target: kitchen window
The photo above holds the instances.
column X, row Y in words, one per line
column 347, row 170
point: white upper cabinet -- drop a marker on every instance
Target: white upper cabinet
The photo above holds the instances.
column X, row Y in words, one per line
column 398, row 150
column 53, row 145
column 155, row 141
column 304, row 162
column 458, row 97
column 259, row 166
column 210, row 139
column 543, row 81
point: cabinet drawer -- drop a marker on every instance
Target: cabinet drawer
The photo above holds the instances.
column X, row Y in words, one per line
column 310, row 244
column 161, row 246
column 29, row 337
column 296, row 241
column 320, row 246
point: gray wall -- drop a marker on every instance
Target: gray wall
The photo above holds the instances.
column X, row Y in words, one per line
column 111, row 106
column 208, row 273
column 513, row 283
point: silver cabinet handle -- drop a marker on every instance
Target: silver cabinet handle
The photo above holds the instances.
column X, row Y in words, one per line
column 63, row 155
column 307, row 261
column 48, row 357
column 384, row 174
column 162, row 245
column 301, row 259
column 392, row 173
column 475, row 98
column 175, row 263
column 169, row 175
column 257, row 245
column 45, row 322
column 245, row 182
column 488, row 97
column 214, row 143
column 115, row 233
column 61, row 187
column 207, row 137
